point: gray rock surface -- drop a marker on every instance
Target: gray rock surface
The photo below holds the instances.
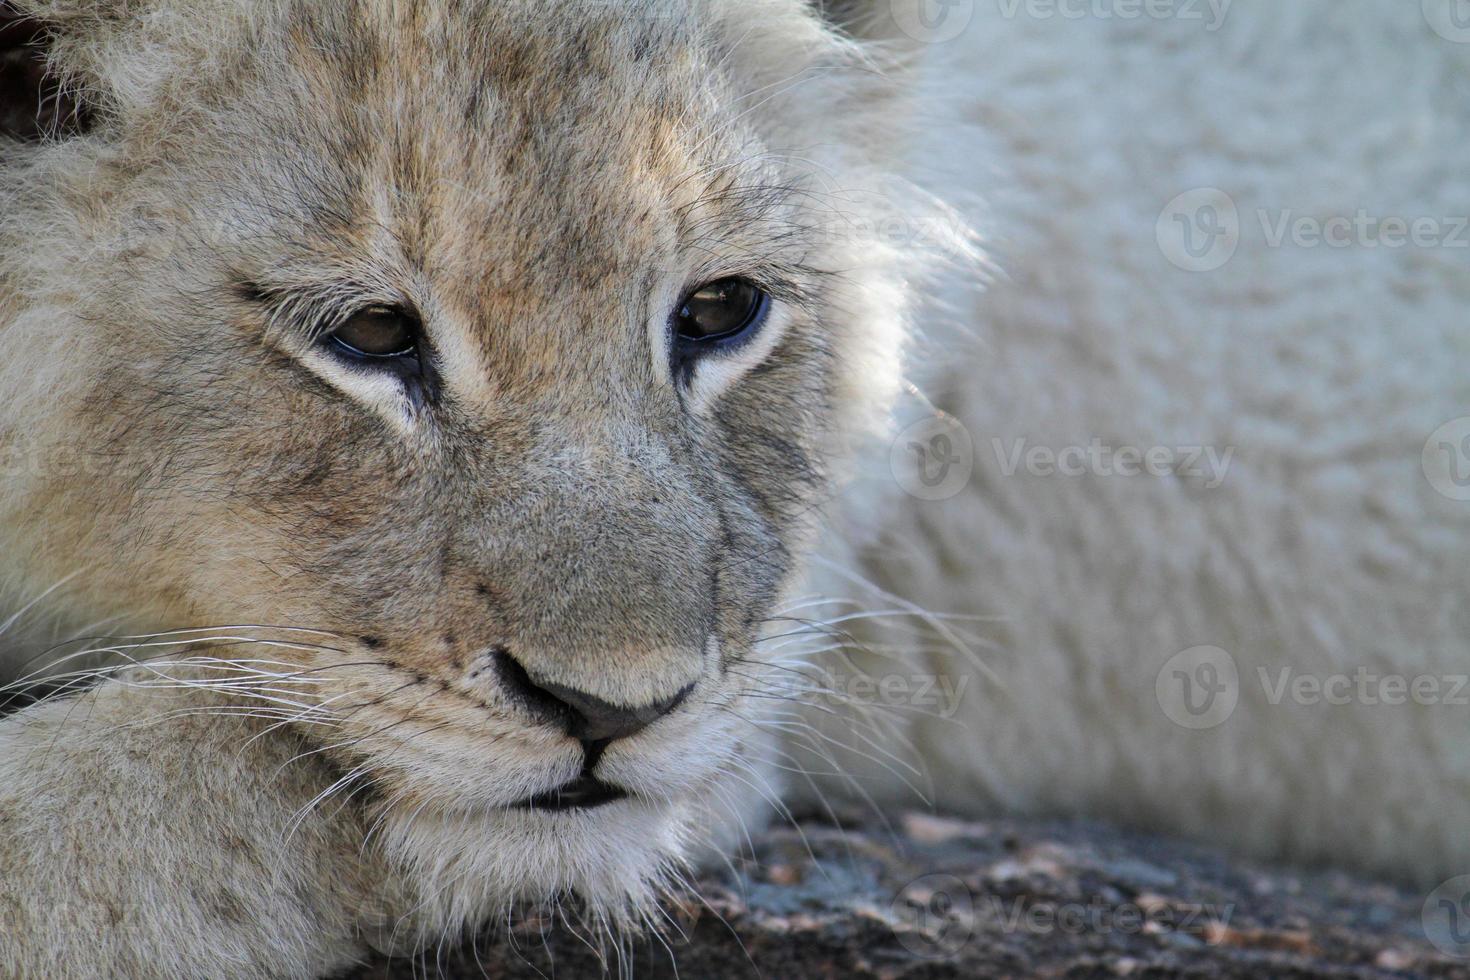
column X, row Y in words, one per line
column 937, row 898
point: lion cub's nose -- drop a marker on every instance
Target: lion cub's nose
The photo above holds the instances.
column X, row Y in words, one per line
column 585, row 717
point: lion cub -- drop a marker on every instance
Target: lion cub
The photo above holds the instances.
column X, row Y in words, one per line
column 430, row 402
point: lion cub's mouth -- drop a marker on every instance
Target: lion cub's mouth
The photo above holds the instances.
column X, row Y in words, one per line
column 582, row 793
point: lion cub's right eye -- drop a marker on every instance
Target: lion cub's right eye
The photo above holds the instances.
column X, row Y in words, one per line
column 377, row 332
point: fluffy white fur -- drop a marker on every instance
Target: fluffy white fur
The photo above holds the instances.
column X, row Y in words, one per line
column 1324, row 549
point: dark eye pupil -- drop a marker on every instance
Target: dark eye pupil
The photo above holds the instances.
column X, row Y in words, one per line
column 719, row 309
column 377, row 333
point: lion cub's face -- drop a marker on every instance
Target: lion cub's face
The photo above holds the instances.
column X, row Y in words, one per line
column 495, row 342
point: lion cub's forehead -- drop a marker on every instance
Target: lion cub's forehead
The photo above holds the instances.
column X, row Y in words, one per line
column 509, row 143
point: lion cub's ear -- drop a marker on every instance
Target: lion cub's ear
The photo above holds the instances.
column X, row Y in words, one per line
column 902, row 23
column 105, row 57
column 33, row 100
column 830, row 72
column 865, row 19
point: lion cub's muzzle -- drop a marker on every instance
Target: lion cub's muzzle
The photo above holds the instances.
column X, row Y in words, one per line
column 589, row 719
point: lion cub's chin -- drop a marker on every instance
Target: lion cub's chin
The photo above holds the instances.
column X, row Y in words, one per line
column 609, row 864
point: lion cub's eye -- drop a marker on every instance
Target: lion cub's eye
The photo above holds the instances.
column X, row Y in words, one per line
column 376, row 332
column 721, row 310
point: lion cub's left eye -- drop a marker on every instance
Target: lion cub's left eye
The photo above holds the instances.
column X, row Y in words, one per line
column 376, row 332
column 721, row 310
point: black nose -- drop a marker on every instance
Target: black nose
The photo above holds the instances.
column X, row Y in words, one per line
column 584, row 716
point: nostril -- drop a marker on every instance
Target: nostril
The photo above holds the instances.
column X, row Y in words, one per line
column 525, row 692
column 585, row 717
column 596, row 720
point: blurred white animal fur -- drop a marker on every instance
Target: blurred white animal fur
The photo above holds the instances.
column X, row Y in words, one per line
column 1295, row 360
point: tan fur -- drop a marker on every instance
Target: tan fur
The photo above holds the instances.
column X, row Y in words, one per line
column 323, row 766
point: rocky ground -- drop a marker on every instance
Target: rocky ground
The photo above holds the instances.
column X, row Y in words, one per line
column 936, row 898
